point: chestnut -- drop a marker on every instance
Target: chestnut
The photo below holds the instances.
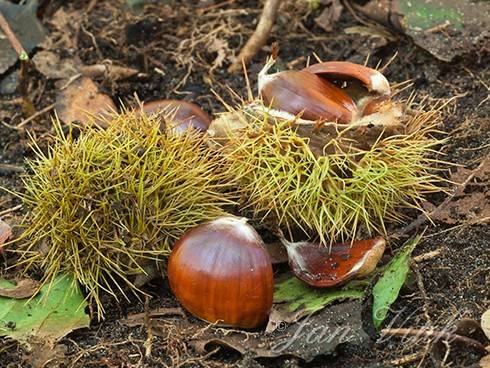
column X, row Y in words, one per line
column 221, row 272
column 182, row 114
column 322, row 266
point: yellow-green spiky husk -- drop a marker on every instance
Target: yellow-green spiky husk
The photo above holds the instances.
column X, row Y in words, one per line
column 333, row 196
column 102, row 203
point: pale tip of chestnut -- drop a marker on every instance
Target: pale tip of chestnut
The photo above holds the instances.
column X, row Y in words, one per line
column 380, row 84
column 239, row 226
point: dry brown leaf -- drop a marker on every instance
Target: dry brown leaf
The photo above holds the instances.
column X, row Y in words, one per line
column 51, row 66
column 25, row 288
column 471, row 201
column 81, row 101
column 315, row 335
column 330, row 15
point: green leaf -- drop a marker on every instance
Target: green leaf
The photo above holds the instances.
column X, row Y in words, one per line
column 298, row 294
column 56, row 310
column 386, row 290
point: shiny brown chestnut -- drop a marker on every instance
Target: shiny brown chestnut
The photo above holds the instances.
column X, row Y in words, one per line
column 220, row 272
column 182, row 114
column 301, row 92
column 322, row 266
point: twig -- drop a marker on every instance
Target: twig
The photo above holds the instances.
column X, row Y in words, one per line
column 7, row 169
column 259, row 37
column 438, row 335
column 32, row 117
column 406, row 359
column 14, row 41
column 427, row 256
column 9, row 210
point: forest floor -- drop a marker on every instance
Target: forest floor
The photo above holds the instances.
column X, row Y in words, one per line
column 182, row 52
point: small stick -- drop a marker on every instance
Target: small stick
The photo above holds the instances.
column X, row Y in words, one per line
column 9, row 210
column 259, row 37
column 7, row 169
column 439, row 335
column 14, row 41
column 407, row 359
column 32, row 117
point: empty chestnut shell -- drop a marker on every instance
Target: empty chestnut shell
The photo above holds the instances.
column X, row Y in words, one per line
column 220, row 272
column 182, row 114
column 371, row 78
column 321, row 266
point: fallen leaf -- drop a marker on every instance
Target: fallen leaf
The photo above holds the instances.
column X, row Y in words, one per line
column 386, row 290
column 25, row 25
column 444, row 28
column 485, row 323
column 468, row 206
column 293, row 299
column 55, row 311
column 81, row 101
column 51, row 66
column 24, row 288
column 45, row 353
column 318, row 334
column 330, row 15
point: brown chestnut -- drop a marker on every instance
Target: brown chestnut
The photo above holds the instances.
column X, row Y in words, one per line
column 182, row 114
column 220, row 272
column 302, row 92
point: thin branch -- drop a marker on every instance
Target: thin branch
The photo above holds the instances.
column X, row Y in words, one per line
column 32, row 117
column 14, row 41
column 438, row 335
column 259, row 37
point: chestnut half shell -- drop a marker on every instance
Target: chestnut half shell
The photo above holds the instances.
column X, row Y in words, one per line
column 220, row 272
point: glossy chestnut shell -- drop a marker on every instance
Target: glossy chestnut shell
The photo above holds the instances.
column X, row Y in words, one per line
column 183, row 114
column 220, row 272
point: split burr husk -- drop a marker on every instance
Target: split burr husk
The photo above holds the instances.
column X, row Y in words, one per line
column 326, row 179
column 101, row 204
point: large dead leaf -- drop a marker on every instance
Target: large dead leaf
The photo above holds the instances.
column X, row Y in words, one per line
column 330, row 15
column 319, row 333
column 445, row 28
column 471, row 200
column 81, row 101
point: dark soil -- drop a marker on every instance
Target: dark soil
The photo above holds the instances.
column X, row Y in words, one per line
column 170, row 44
